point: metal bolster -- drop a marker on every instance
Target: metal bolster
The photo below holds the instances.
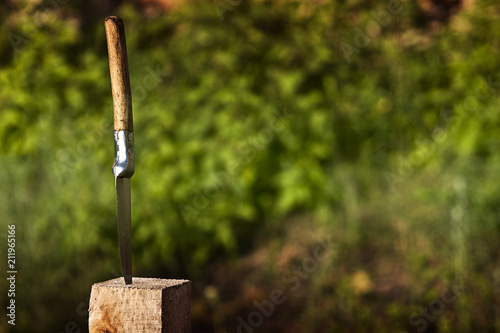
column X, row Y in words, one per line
column 124, row 165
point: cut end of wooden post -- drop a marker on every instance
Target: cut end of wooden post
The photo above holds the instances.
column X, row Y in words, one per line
column 147, row 305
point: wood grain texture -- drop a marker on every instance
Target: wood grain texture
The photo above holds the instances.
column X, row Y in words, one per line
column 118, row 69
column 147, row 305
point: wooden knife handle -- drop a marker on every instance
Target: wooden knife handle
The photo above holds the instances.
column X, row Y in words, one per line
column 118, row 69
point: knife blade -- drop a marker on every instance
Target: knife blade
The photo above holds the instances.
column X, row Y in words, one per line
column 123, row 167
column 124, row 226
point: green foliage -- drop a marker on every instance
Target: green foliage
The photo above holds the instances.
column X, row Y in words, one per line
column 239, row 124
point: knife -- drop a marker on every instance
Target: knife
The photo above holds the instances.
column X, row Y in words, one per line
column 123, row 167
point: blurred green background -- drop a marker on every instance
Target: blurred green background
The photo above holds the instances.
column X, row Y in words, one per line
column 263, row 130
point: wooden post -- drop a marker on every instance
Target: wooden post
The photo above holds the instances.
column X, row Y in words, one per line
column 147, row 306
